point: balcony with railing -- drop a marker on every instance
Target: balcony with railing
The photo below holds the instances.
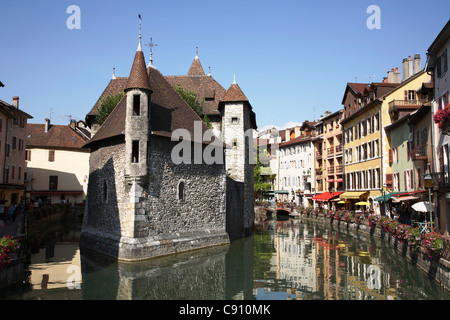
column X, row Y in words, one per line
column 330, row 150
column 339, row 169
column 338, row 149
column 419, row 152
column 319, row 154
column 441, row 179
column 406, row 103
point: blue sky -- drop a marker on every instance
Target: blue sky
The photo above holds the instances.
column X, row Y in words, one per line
column 292, row 59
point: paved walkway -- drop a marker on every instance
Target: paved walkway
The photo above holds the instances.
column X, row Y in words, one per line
column 10, row 228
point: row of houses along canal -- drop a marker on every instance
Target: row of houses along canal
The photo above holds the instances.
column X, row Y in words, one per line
column 286, row 258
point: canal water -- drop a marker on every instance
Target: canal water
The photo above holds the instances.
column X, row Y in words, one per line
column 292, row 259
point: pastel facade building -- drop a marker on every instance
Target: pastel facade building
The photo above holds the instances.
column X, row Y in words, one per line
column 437, row 66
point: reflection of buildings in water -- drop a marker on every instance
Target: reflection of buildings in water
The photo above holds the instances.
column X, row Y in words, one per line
column 294, row 259
column 56, row 267
column 366, row 281
column 313, row 263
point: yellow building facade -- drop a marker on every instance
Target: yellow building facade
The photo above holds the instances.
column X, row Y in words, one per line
column 362, row 156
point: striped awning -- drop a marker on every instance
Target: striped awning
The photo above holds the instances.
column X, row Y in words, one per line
column 353, row 194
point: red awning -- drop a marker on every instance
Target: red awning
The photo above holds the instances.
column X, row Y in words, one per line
column 338, row 180
column 409, row 193
column 326, row 196
column 330, row 180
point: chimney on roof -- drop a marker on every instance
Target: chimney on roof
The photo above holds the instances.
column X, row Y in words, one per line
column 47, row 124
column 405, row 69
column 394, row 76
column 15, row 102
column 416, row 63
column 73, row 123
column 410, row 66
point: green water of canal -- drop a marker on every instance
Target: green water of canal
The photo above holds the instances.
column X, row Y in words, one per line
column 284, row 260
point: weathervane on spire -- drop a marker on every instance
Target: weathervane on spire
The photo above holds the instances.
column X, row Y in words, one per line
column 196, row 52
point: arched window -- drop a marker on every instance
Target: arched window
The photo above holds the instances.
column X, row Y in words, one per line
column 181, row 194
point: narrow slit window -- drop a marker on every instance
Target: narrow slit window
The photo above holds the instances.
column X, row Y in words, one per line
column 136, row 105
column 105, row 192
column 135, row 151
column 181, row 195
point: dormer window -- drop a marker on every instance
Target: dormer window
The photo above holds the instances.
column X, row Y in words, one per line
column 136, row 105
column 234, row 120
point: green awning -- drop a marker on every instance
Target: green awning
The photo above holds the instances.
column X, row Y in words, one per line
column 282, row 191
column 386, row 197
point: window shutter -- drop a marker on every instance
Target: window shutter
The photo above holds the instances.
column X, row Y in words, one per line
column 444, row 60
column 391, row 157
column 441, row 158
column 438, row 66
column 404, row 176
column 408, row 154
column 389, row 180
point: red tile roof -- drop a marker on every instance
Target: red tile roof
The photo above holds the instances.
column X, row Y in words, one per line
column 168, row 112
column 58, row 136
column 114, row 87
column 234, row 93
column 196, row 68
column 296, row 140
column 206, row 87
column 138, row 75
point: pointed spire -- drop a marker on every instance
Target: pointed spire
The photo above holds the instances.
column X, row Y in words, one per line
column 140, row 35
column 234, row 93
column 196, row 68
column 138, row 78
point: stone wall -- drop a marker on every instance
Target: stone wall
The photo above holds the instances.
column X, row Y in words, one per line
column 136, row 222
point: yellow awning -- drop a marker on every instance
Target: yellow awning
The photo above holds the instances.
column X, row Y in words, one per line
column 352, row 194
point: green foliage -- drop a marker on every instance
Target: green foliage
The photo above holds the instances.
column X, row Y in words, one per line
column 259, row 186
column 107, row 105
column 190, row 97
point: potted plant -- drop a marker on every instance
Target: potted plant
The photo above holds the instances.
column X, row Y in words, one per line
column 432, row 244
column 8, row 246
column 373, row 221
column 442, row 116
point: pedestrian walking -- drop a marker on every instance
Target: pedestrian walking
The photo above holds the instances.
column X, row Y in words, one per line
column 11, row 211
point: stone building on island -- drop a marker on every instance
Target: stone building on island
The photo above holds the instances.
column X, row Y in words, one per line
column 144, row 202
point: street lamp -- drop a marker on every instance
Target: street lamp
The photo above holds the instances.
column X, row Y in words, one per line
column 384, row 200
column 429, row 184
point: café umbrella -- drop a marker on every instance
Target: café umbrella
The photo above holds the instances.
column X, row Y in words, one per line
column 363, row 203
column 423, row 206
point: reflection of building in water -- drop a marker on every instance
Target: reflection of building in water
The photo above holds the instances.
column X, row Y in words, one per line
column 54, row 270
column 366, row 281
column 312, row 263
column 295, row 259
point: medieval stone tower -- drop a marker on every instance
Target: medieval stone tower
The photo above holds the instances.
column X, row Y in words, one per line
column 236, row 131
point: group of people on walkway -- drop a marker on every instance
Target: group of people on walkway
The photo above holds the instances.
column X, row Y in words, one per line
column 404, row 215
